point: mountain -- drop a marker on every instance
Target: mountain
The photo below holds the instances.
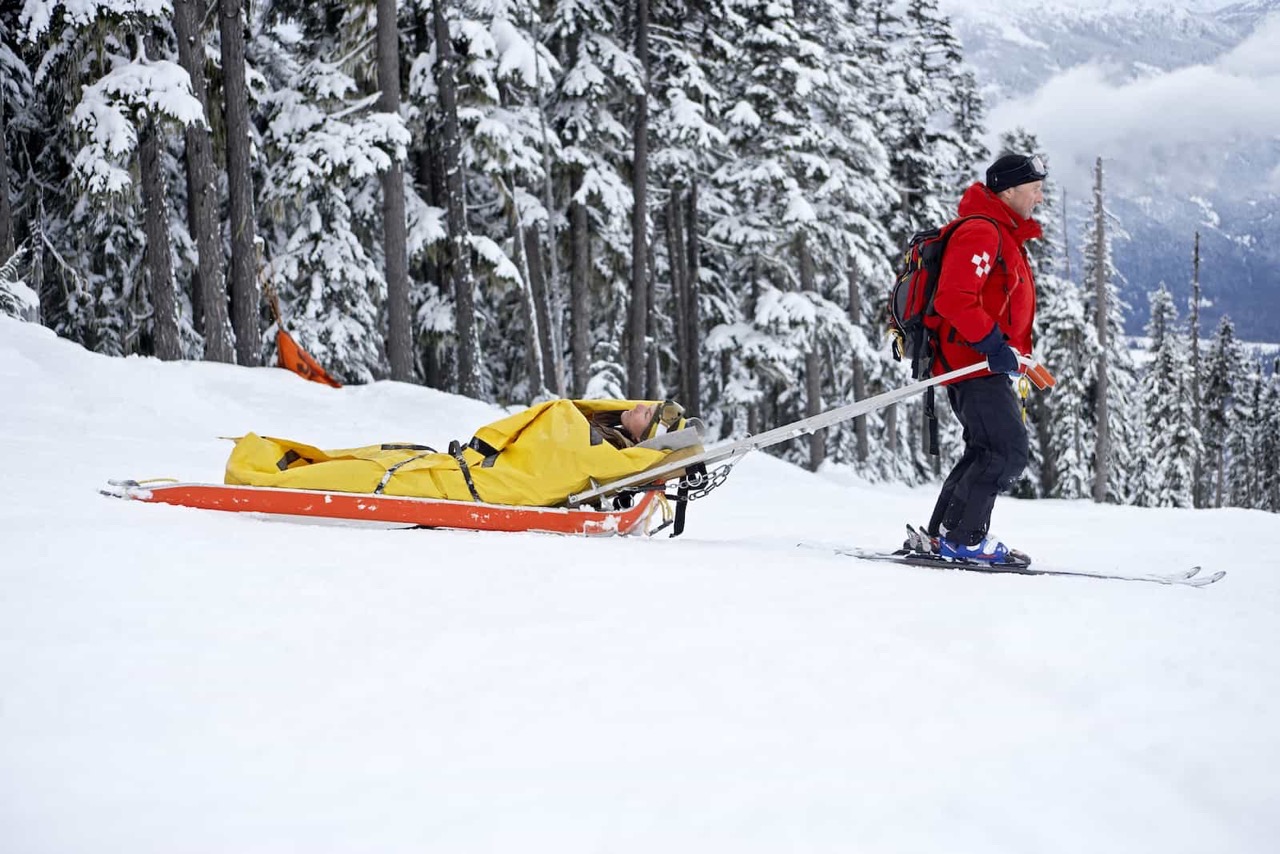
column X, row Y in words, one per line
column 1181, row 102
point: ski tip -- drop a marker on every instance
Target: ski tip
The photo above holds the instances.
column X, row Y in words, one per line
column 1206, row 580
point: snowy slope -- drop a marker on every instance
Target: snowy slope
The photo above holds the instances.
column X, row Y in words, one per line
column 178, row 680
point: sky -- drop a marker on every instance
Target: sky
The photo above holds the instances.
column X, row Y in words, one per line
column 174, row 679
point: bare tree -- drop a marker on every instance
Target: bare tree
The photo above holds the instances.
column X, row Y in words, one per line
column 637, row 343
column 459, row 262
column 210, row 297
column 399, row 314
column 1102, row 441
column 245, row 295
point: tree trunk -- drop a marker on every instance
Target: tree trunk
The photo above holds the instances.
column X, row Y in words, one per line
column 680, row 291
column 532, row 354
column 579, row 290
column 6, row 212
column 1197, row 414
column 692, row 319
column 1102, row 444
column 459, row 245
column 399, row 314
column 637, row 364
column 812, row 363
column 861, row 445
column 651, row 379
column 210, row 288
column 548, row 278
column 157, row 260
column 244, row 260
column 552, row 371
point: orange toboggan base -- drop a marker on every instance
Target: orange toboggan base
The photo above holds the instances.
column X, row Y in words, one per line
column 648, row 513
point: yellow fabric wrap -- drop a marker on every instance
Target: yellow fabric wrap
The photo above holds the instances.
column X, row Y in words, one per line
column 544, row 455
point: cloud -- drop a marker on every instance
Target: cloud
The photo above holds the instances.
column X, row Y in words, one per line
column 1178, row 128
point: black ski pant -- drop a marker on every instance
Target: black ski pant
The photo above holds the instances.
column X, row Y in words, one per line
column 995, row 453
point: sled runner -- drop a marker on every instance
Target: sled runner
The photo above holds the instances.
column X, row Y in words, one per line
column 649, row 511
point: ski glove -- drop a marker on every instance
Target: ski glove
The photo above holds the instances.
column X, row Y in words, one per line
column 1001, row 358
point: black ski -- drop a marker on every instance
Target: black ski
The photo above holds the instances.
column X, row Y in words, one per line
column 911, row 557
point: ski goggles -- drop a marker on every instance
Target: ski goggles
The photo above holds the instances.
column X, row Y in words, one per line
column 1031, row 168
column 667, row 415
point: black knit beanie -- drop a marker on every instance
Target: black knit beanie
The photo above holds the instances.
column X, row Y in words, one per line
column 1010, row 170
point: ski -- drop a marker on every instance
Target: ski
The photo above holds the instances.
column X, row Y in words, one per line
column 908, row 557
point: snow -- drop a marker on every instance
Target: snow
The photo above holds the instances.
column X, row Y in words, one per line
column 174, row 679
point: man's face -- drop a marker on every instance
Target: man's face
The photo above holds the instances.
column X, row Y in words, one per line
column 1024, row 198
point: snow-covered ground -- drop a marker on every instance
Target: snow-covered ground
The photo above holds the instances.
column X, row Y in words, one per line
column 174, row 680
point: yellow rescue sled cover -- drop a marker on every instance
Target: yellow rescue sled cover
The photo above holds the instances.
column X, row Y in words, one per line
column 537, row 457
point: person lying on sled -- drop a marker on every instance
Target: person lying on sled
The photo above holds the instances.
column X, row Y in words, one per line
column 537, row 457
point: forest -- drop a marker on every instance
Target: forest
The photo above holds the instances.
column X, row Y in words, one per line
column 514, row 200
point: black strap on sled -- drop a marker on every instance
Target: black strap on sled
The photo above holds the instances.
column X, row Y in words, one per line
column 455, row 451
column 484, row 449
column 290, row 457
column 696, row 473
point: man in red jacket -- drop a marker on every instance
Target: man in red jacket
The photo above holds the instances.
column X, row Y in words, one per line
column 986, row 298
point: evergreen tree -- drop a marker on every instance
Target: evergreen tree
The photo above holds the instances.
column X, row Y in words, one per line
column 588, row 113
column 1111, row 377
column 1223, row 364
column 98, row 93
column 1268, row 446
column 1172, row 442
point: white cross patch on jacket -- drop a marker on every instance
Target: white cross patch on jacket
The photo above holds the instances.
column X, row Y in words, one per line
column 981, row 264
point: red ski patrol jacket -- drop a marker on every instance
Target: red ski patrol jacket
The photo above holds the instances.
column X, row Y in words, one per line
column 985, row 281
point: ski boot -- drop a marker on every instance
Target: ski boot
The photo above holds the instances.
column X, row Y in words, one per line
column 987, row 550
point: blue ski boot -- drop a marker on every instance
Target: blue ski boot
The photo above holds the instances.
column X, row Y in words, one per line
column 987, row 550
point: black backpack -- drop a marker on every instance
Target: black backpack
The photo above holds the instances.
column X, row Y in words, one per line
column 913, row 323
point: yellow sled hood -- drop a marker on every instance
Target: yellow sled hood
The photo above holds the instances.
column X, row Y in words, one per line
column 537, row 457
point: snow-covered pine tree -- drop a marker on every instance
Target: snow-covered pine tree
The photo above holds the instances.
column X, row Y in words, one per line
column 14, row 88
column 97, row 90
column 503, row 72
column 1244, row 438
column 1171, row 440
column 792, row 186
column 861, row 251
column 588, row 113
column 16, row 95
column 1197, row 371
column 1111, row 378
column 1268, row 447
column 327, row 146
column 457, row 254
column 687, row 65
column 1223, row 366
